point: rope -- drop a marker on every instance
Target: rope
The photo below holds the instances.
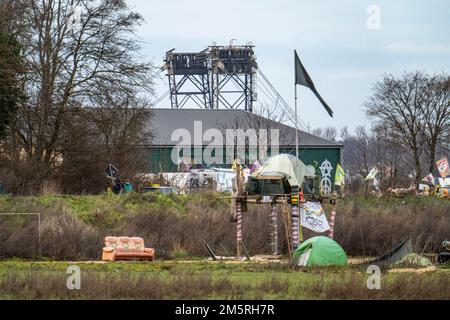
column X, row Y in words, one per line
column 285, row 105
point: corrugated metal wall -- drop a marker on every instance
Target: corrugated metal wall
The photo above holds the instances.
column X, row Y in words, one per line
column 159, row 159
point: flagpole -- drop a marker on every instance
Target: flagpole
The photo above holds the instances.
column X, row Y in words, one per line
column 296, row 122
column 296, row 213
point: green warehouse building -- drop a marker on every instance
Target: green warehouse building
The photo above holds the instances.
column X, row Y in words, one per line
column 187, row 133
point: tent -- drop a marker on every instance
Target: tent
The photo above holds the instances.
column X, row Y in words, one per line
column 396, row 254
column 320, row 251
column 283, row 165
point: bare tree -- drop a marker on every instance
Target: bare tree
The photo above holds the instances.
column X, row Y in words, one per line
column 330, row 133
column 11, row 64
column 113, row 132
column 75, row 52
column 436, row 115
column 363, row 146
column 270, row 117
column 266, row 117
column 317, row 132
column 344, row 134
column 398, row 104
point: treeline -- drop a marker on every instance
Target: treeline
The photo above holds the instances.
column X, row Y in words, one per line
column 73, row 89
column 71, row 78
column 410, row 131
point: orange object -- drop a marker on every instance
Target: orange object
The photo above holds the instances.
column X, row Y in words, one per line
column 126, row 248
column 302, row 197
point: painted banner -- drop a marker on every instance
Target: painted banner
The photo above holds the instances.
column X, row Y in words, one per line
column 313, row 217
column 372, row 174
column 443, row 167
column 429, row 179
column 339, row 179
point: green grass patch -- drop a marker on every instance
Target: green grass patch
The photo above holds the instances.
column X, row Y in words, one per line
column 210, row 280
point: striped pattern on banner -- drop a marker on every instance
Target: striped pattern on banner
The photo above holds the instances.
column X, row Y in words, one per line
column 295, row 226
column 332, row 219
column 239, row 222
column 274, row 220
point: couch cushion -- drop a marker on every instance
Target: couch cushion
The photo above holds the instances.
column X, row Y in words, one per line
column 125, row 244
column 138, row 244
column 111, row 242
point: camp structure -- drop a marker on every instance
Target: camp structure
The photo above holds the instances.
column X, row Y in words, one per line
column 320, row 251
column 164, row 122
column 282, row 172
column 283, row 165
column 396, row 254
column 282, row 181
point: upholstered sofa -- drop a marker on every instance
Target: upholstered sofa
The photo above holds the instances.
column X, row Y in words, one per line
column 126, row 248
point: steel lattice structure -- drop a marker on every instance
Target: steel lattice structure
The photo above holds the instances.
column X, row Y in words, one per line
column 217, row 77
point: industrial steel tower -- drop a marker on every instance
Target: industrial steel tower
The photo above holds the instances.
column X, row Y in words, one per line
column 217, row 77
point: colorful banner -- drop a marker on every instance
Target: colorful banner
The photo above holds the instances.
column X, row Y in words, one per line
column 428, row 179
column 313, row 217
column 339, row 179
column 443, row 167
column 255, row 167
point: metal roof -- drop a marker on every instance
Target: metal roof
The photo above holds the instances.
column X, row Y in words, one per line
column 165, row 121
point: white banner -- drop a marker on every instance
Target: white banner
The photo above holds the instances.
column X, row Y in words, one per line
column 372, row 174
column 313, row 217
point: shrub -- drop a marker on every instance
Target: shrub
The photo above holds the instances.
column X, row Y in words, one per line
column 74, row 227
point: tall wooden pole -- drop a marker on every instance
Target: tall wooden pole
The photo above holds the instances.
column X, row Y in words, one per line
column 296, row 122
column 333, row 215
column 295, row 218
column 238, row 227
column 274, row 220
column 301, row 207
column 287, row 226
column 238, row 192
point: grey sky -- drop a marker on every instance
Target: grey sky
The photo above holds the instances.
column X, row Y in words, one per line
column 343, row 57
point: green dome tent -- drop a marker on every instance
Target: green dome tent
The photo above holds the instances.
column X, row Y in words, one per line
column 320, row 251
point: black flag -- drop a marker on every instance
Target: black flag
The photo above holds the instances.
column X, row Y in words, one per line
column 302, row 78
column 111, row 171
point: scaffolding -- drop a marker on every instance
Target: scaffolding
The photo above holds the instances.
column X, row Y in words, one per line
column 217, row 77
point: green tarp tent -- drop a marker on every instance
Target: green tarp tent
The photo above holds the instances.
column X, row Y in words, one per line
column 320, row 251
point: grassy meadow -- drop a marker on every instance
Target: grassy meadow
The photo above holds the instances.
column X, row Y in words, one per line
column 212, row 280
column 73, row 229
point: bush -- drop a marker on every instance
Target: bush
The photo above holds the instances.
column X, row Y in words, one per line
column 74, row 227
column 63, row 237
column 377, row 227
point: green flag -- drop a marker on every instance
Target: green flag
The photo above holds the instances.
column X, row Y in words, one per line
column 339, row 179
column 302, row 78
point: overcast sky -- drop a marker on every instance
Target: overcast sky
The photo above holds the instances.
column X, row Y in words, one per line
column 342, row 55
